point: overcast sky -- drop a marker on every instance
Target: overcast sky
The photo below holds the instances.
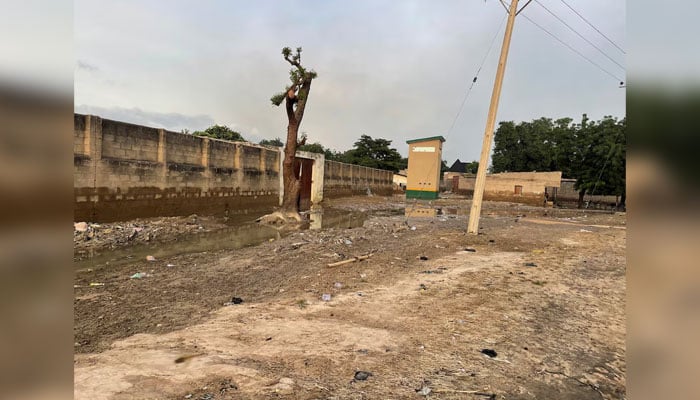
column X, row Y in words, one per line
column 386, row 68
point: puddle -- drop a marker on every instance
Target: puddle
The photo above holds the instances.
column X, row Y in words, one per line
column 244, row 234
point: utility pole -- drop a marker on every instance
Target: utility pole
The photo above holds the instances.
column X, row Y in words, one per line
column 475, row 213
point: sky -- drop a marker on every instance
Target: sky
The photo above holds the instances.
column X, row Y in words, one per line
column 397, row 70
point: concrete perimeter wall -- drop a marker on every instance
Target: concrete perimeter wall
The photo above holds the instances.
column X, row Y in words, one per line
column 342, row 180
column 124, row 171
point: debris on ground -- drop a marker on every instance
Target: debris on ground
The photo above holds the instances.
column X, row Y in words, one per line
column 423, row 258
column 150, row 258
column 80, row 226
column 350, row 260
column 338, row 285
column 362, row 375
column 489, row 352
column 234, row 301
column 139, row 275
column 469, row 249
column 326, row 297
column 530, row 264
column 424, row 390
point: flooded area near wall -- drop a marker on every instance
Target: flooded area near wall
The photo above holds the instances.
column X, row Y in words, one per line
column 241, row 232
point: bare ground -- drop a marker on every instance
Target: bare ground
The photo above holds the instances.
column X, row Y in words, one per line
column 558, row 327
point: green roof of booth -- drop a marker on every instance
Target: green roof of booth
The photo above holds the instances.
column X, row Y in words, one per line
column 427, row 139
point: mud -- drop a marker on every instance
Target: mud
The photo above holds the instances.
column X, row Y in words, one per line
column 558, row 328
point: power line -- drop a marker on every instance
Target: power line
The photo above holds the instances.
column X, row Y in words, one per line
column 579, row 34
column 461, row 107
column 593, row 26
column 471, row 86
column 573, row 49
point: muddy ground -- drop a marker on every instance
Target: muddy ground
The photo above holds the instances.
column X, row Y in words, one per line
column 544, row 289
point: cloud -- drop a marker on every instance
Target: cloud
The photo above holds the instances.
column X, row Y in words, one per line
column 86, row 66
column 171, row 121
column 390, row 69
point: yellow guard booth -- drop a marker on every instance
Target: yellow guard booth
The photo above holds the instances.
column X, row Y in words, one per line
column 424, row 162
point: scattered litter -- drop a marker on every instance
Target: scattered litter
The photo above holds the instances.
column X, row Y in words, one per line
column 423, row 287
column 363, row 351
column 338, row 285
column 96, row 284
column 184, row 358
column 424, row 391
column 267, row 339
column 236, row 300
column 139, row 275
column 492, row 241
column 530, row 264
column 469, row 249
column 489, row 352
column 170, row 265
column 188, row 396
column 347, row 242
column 150, row 258
column 350, row 260
column 537, row 251
column 585, row 230
column 360, row 294
column 362, row 375
column 432, row 271
column 423, row 258
column 80, row 226
column 326, row 297
column 413, row 228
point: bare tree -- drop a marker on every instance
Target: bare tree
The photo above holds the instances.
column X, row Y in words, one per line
column 295, row 97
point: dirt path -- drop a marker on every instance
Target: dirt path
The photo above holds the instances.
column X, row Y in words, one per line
column 558, row 327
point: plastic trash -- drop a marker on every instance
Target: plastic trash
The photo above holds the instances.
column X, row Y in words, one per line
column 139, row 275
column 326, row 297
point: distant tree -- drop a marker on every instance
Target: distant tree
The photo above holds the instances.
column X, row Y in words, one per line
column 295, row 96
column 272, row 142
column 593, row 153
column 220, row 132
column 313, row 148
column 444, row 167
column 375, row 153
column 602, row 166
column 472, row 167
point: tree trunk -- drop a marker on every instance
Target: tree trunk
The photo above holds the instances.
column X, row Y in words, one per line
column 290, row 202
column 580, row 198
column 623, row 199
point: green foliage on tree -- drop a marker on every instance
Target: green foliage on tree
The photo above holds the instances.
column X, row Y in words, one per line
column 312, row 148
column 592, row 152
column 472, row 167
column 375, row 153
column 220, row 132
column 272, row 142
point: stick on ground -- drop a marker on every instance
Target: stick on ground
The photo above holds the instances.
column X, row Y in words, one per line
column 350, row 260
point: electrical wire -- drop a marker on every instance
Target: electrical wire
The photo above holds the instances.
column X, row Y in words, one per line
column 579, row 34
column 471, row 86
column 461, row 107
column 593, row 26
column 574, row 50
